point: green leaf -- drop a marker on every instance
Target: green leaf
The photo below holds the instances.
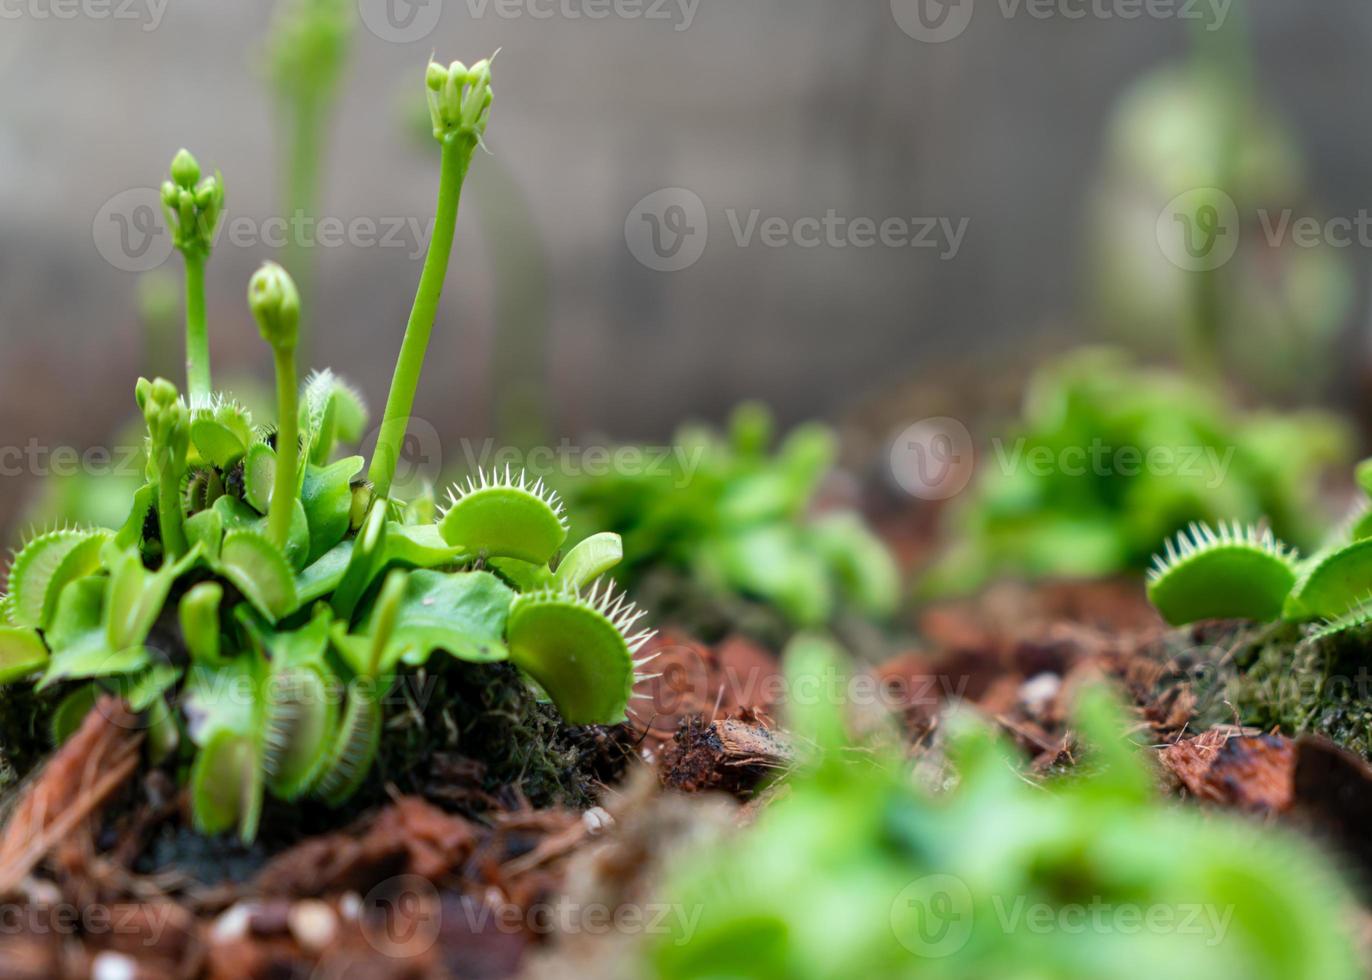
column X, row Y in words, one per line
column 78, row 637
column 259, row 571
column 130, row 534
column 589, row 560
column 136, row 597
column 71, row 711
column 238, row 516
column 575, row 648
column 44, row 567
column 364, row 564
column 505, row 517
column 353, row 749
column 259, row 473
column 463, row 614
column 206, row 529
column 327, row 498
column 324, row 576
column 772, row 562
column 866, row 572
column 1333, row 584
column 372, row 654
column 199, row 616
column 1237, row 573
column 21, row 653
column 222, row 433
column 330, row 412
column 302, row 721
column 227, row 785
column 419, row 545
column 523, row 576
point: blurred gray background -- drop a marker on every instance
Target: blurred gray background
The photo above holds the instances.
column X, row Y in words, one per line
column 793, row 107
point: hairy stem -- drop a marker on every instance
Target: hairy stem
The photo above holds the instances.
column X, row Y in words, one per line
column 197, row 333
column 282, row 507
column 457, row 158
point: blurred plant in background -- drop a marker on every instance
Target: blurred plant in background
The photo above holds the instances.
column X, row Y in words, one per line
column 856, row 872
column 306, row 55
column 730, row 516
column 1168, row 450
column 1197, row 135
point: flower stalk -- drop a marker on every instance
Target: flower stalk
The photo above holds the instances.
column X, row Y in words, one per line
column 193, row 208
column 169, row 437
column 459, row 106
column 275, row 304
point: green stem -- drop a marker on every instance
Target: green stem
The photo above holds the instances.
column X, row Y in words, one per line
column 305, row 137
column 169, row 515
column 282, row 507
column 197, row 333
column 457, row 157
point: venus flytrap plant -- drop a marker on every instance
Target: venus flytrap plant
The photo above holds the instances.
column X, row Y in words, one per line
column 193, row 208
column 1244, row 573
column 275, row 578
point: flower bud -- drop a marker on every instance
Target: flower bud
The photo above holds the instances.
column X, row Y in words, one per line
column 459, row 99
column 275, row 304
column 184, row 169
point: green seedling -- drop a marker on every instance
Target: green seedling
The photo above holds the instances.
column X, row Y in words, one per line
column 261, row 599
column 735, row 518
column 1242, row 573
column 1110, row 458
column 857, row 870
